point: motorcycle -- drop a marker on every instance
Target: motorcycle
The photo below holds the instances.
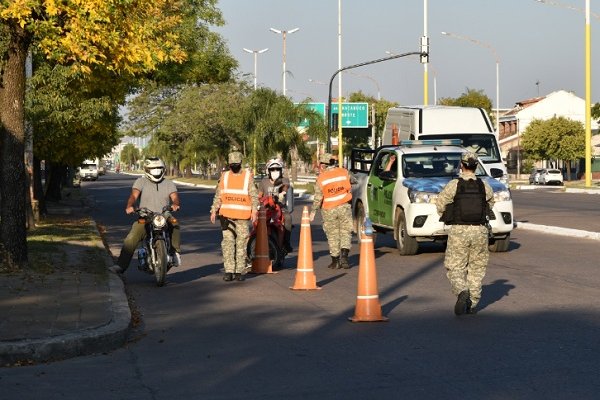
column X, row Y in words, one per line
column 275, row 232
column 156, row 256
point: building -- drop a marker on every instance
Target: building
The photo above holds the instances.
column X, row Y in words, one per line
column 556, row 104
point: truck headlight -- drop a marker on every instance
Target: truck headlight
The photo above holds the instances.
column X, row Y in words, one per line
column 502, row 195
column 422, row 197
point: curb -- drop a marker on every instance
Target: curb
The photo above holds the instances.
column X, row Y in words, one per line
column 555, row 230
column 95, row 340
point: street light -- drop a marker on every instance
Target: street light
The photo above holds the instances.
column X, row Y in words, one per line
column 489, row 47
column 284, row 34
column 256, row 53
column 588, row 84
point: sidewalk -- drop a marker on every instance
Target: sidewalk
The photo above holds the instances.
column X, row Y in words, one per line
column 70, row 310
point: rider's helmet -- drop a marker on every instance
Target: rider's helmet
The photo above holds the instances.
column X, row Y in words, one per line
column 154, row 168
column 275, row 168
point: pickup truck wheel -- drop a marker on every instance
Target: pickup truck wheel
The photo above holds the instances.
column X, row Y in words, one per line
column 500, row 245
column 407, row 245
column 360, row 220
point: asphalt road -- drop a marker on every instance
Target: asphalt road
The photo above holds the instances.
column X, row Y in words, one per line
column 536, row 336
column 551, row 206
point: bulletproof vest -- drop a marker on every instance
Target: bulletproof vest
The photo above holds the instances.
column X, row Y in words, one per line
column 469, row 206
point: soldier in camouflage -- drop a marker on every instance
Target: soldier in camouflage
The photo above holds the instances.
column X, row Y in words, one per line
column 235, row 202
column 464, row 203
column 332, row 196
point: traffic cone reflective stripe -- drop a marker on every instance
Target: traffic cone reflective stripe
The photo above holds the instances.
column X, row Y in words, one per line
column 368, row 308
column 261, row 264
column 305, row 274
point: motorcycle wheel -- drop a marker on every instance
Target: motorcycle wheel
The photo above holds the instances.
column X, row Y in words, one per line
column 160, row 267
column 275, row 253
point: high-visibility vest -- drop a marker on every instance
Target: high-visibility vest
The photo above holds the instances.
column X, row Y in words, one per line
column 235, row 195
column 335, row 185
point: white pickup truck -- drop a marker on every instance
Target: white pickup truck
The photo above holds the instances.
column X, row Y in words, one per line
column 397, row 187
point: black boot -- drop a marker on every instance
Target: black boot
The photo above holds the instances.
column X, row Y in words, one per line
column 238, row 277
column 461, row 303
column 335, row 263
column 228, row 277
column 344, row 259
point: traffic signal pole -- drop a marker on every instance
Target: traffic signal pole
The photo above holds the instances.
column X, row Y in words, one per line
column 328, row 144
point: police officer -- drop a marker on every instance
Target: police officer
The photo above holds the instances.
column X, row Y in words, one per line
column 333, row 195
column 275, row 184
column 465, row 203
column 235, row 202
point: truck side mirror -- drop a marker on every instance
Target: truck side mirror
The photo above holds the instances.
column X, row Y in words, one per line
column 496, row 173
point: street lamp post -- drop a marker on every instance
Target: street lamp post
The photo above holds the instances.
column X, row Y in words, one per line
column 284, row 35
column 489, row 47
column 588, row 84
column 256, row 53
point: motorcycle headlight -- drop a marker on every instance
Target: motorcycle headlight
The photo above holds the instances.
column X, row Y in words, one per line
column 502, row 195
column 159, row 221
column 422, row 197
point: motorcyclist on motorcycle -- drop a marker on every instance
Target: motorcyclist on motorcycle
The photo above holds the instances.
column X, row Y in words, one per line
column 275, row 184
column 154, row 192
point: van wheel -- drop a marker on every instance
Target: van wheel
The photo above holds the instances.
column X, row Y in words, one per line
column 407, row 245
column 360, row 221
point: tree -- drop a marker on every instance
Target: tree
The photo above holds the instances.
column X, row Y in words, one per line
column 556, row 138
column 130, row 155
column 119, row 36
column 471, row 98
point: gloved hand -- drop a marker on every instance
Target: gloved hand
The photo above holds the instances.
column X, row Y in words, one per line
column 281, row 197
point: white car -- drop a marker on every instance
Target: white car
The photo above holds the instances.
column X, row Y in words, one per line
column 551, row 177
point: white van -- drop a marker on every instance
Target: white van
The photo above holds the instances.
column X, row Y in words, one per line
column 470, row 124
column 89, row 170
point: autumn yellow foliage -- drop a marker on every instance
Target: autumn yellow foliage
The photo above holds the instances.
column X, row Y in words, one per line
column 127, row 36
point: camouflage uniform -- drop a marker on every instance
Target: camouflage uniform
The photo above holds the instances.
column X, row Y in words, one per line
column 467, row 252
column 337, row 221
column 235, row 231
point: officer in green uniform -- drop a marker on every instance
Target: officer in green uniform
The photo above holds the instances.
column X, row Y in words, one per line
column 465, row 203
column 234, row 224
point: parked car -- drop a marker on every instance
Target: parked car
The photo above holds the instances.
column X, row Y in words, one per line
column 551, row 177
column 534, row 177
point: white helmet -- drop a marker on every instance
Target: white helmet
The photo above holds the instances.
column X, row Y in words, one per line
column 154, row 168
column 275, row 164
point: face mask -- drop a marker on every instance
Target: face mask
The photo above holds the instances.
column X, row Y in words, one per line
column 275, row 174
column 235, row 168
column 156, row 171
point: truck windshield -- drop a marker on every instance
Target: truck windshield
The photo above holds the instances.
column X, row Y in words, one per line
column 484, row 145
column 88, row 166
column 427, row 165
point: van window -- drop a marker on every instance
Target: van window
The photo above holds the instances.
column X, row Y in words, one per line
column 484, row 145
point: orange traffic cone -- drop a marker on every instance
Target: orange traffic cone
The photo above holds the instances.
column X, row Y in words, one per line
column 305, row 275
column 368, row 308
column 261, row 264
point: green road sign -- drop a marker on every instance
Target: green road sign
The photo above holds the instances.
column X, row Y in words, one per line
column 354, row 115
column 317, row 107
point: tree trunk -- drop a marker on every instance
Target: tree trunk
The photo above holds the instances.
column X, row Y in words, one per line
column 294, row 158
column 13, row 234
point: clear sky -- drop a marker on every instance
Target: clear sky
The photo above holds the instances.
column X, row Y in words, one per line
column 534, row 42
